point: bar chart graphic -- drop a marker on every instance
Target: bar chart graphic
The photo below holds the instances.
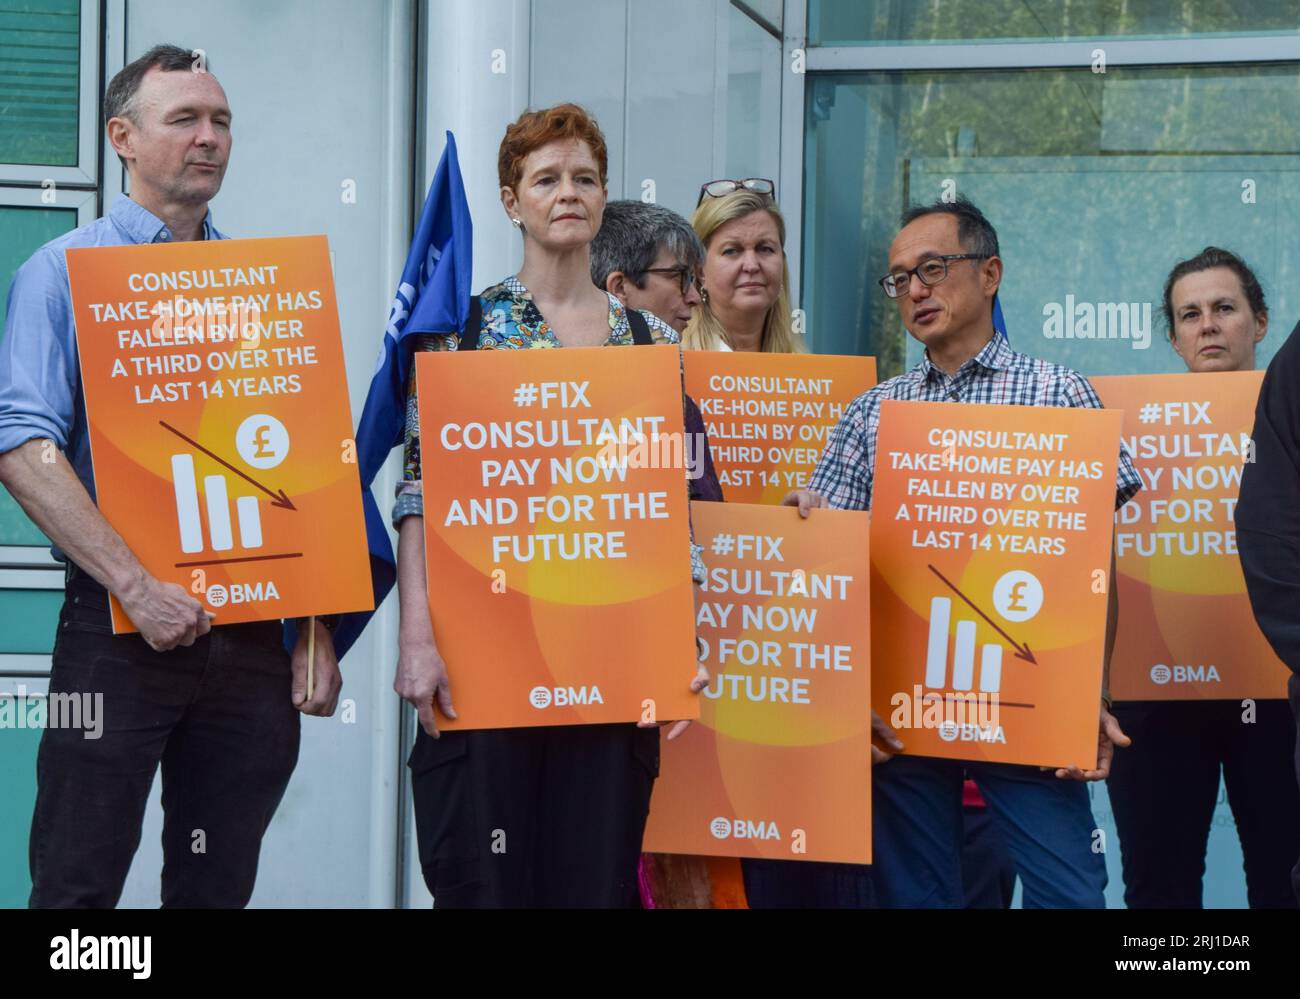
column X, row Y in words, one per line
column 216, row 503
column 217, row 500
column 961, row 679
column 963, row 657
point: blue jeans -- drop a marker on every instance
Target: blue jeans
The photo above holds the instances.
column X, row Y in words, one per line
column 1046, row 824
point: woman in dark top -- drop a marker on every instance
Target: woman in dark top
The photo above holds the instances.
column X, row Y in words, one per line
column 1164, row 787
column 571, row 801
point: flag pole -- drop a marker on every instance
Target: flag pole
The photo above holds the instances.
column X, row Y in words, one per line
column 311, row 655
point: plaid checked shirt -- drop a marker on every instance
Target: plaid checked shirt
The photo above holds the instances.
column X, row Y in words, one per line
column 997, row 374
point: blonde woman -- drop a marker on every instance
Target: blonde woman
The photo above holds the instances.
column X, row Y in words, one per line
column 746, row 280
column 746, row 307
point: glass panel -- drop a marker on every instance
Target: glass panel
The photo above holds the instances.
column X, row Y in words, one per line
column 753, row 100
column 17, row 789
column 867, row 22
column 1097, row 185
column 22, row 230
column 28, row 620
column 40, row 49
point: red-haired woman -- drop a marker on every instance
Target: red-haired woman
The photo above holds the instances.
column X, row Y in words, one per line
column 570, row 802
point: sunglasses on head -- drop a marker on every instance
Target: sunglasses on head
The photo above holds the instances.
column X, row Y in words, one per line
column 721, row 188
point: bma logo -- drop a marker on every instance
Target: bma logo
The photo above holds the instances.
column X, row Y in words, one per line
column 1162, row 674
column 950, row 731
column 560, row 697
column 723, row 827
column 241, row 593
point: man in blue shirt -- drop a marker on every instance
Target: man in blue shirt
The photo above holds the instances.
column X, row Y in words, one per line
column 213, row 707
column 944, row 271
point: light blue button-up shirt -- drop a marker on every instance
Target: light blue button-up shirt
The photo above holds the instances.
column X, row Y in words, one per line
column 40, row 381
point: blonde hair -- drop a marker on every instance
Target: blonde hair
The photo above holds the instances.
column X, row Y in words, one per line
column 705, row 331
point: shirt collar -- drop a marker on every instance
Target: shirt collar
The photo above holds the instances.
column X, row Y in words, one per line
column 994, row 356
column 143, row 226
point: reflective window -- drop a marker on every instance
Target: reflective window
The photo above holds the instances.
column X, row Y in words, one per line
column 40, row 46
column 1096, row 183
column 22, row 230
column 867, row 22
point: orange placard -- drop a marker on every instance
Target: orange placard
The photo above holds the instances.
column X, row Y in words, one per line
column 779, row 764
column 769, row 415
column 220, row 431
column 990, row 556
column 556, row 534
column 1186, row 630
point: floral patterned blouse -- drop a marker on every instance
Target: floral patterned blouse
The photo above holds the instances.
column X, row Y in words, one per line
column 511, row 321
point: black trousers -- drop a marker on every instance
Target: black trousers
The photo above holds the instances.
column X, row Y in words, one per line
column 216, row 716
column 800, row 884
column 1164, row 787
column 533, row 817
column 1293, row 688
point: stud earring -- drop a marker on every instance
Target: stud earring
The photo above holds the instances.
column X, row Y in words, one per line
column 517, row 223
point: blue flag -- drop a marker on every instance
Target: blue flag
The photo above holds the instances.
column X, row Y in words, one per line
column 999, row 321
column 432, row 297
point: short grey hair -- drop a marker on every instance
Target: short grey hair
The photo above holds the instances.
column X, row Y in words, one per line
column 119, row 98
column 631, row 235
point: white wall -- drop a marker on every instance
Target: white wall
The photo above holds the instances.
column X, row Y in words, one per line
column 322, row 92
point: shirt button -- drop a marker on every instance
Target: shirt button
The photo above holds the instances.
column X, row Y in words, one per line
column 164, row 236
column 76, row 600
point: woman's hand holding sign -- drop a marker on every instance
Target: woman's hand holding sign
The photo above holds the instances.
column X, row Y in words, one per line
column 881, row 731
column 697, row 686
column 421, row 672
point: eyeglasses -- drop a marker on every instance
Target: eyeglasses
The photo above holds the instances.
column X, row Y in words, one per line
column 721, row 188
column 931, row 271
column 685, row 275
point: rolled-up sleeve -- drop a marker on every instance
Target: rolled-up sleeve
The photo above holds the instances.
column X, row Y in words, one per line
column 38, row 355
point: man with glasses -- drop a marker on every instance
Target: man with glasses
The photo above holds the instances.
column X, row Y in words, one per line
column 944, row 272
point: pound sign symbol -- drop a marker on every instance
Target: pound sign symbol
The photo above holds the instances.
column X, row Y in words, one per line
column 264, row 445
column 1016, row 603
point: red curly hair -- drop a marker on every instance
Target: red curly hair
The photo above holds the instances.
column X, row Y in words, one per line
column 534, row 129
